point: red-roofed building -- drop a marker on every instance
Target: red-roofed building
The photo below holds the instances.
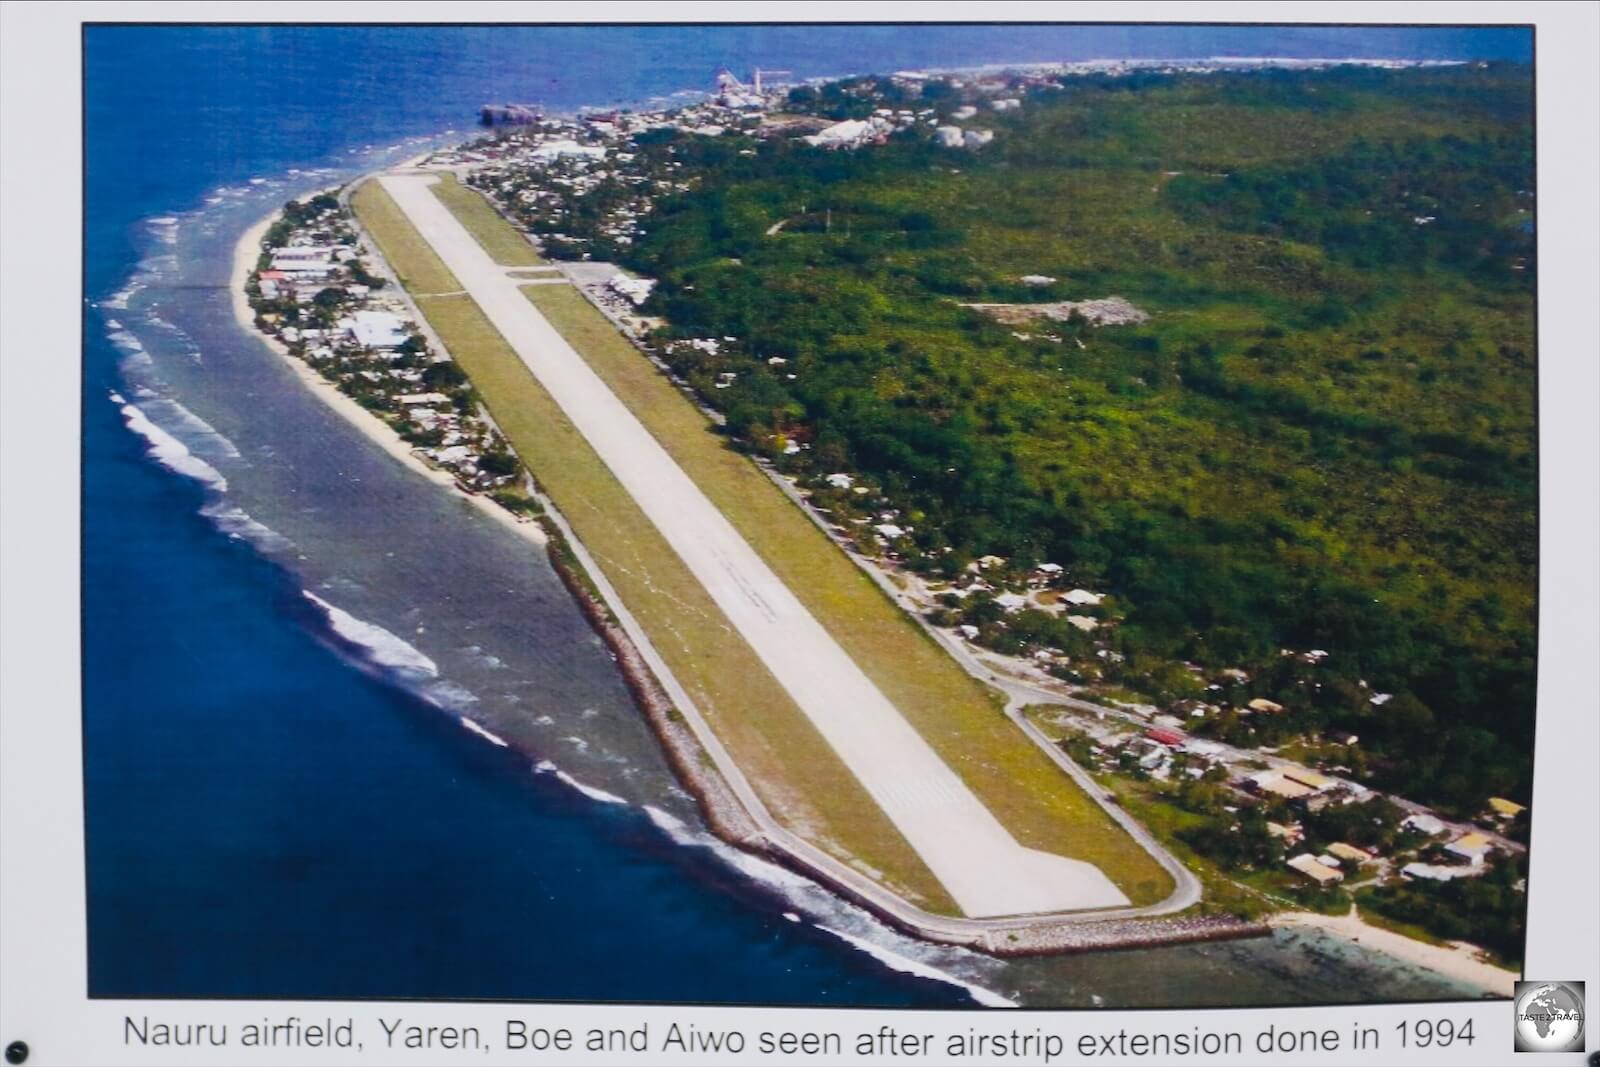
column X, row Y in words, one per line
column 1170, row 738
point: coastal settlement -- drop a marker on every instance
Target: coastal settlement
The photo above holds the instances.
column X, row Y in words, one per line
column 1280, row 814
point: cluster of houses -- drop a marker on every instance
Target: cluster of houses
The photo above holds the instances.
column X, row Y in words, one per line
column 544, row 169
column 1433, row 850
column 363, row 340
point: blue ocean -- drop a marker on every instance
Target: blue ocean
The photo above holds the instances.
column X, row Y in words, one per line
column 345, row 736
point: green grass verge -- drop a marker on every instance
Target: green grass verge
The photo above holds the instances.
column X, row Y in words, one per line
column 412, row 259
column 1043, row 807
column 503, row 243
column 787, row 761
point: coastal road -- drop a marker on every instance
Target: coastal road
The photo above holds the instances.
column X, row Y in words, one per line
column 987, row 871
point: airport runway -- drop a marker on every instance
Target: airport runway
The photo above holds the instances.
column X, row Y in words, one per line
column 983, row 867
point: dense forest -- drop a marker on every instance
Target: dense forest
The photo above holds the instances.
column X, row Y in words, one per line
column 1322, row 438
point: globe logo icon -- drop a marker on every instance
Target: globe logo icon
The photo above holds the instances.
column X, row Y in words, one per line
column 1549, row 1017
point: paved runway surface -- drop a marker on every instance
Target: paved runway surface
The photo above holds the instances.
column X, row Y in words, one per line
column 972, row 854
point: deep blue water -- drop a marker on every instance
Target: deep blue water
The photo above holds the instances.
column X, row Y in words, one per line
column 268, row 813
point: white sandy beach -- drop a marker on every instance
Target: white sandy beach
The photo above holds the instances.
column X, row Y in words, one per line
column 1458, row 960
column 245, row 254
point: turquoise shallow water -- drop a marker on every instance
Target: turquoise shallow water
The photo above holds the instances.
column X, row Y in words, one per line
column 282, row 800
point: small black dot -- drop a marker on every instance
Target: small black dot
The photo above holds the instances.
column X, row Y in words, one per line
column 17, row 1052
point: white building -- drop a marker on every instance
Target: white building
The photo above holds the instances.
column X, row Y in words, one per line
column 376, row 329
column 636, row 290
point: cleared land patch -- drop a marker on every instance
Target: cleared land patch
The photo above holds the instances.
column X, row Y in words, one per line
column 1043, row 808
column 787, row 761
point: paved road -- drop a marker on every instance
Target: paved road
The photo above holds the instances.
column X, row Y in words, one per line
column 983, row 867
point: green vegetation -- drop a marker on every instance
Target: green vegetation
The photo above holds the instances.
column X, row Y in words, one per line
column 505, row 245
column 1489, row 910
column 1044, row 808
column 1323, row 438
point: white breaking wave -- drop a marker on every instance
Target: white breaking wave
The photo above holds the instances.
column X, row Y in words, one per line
column 494, row 663
column 381, row 647
column 485, row 734
column 818, row 901
column 544, row 766
column 752, row 867
column 907, row 965
column 168, row 451
column 449, row 695
column 119, row 299
column 238, row 523
column 134, row 354
column 200, row 435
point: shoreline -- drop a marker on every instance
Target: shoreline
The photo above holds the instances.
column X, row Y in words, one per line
column 245, row 253
column 1458, row 961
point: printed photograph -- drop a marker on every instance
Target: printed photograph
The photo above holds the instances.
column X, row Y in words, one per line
column 818, row 515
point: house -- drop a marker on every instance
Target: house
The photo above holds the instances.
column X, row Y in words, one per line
column 840, row 481
column 1161, row 735
column 1349, row 853
column 1011, row 601
column 1314, row 869
column 1502, row 809
column 1423, row 824
column 949, row 136
column 1037, row 279
column 1150, row 755
column 413, row 399
column 301, row 253
column 1289, row 835
column 376, row 329
column 551, row 151
column 1083, row 598
column 635, row 290
column 1194, row 709
column 1265, row 706
column 1273, row 783
column 1470, row 847
column 1432, row 872
column 1318, row 783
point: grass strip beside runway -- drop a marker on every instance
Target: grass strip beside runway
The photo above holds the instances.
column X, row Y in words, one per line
column 1041, row 806
column 417, row 265
column 503, row 243
column 795, row 771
